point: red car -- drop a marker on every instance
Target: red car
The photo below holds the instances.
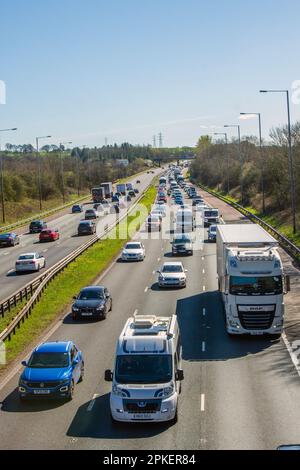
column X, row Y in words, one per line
column 49, row 235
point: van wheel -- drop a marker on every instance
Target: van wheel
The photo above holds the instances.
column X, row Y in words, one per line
column 175, row 419
column 71, row 392
column 81, row 373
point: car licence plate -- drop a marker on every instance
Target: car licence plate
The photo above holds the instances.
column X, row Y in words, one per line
column 87, row 314
column 41, row 392
column 257, row 333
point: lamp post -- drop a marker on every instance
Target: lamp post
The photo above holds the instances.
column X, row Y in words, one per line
column 62, row 168
column 261, row 157
column 2, row 176
column 227, row 155
column 290, row 155
column 238, row 127
column 39, row 166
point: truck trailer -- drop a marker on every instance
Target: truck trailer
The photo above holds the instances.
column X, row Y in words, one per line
column 108, row 189
column 251, row 280
column 98, row 194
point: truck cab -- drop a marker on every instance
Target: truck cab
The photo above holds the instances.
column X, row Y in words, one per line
column 146, row 381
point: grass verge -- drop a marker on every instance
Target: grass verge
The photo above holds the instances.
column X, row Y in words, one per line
column 83, row 271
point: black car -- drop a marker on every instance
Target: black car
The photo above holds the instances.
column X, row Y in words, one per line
column 9, row 239
column 131, row 193
column 86, row 227
column 212, row 233
column 128, row 198
column 182, row 245
column 136, row 191
column 36, row 226
column 92, row 302
column 197, row 200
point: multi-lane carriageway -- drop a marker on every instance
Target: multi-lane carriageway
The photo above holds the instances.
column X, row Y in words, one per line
column 240, row 393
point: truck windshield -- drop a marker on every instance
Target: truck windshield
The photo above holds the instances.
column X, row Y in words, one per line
column 256, row 285
column 144, row 369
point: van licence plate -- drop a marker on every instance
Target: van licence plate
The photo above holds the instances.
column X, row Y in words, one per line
column 142, row 416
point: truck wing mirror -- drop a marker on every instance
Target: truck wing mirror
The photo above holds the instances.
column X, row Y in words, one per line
column 287, row 284
column 179, row 375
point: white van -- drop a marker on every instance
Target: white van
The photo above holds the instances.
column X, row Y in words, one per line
column 184, row 221
column 146, row 380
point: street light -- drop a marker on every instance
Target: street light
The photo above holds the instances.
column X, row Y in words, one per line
column 261, row 158
column 238, row 127
column 2, row 176
column 39, row 166
column 227, row 156
column 62, row 167
column 290, row 155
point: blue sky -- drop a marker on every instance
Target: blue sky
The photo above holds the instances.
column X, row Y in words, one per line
column 127, row 69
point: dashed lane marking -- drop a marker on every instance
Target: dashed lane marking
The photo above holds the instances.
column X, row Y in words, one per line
column 202, row 406
column 92, row 402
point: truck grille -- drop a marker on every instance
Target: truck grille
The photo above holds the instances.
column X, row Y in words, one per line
column 256, row 320
column 142, row 406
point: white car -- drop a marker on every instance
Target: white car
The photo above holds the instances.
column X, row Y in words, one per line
column 133, row 251
column 30, row 262
column 161, row 208
column 172, row 274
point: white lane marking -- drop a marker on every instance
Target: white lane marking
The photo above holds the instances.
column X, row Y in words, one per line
column 203, row 271
column 204, row 288
column 292, row 354
column 6, row 253
column 146, row 289
column 202, row 407
column 158, row 259
column 45, row 250
column 153, row 272
column 203, row 258
column 203, row 346
column 204, row 312
column 92, row 402
column 135, row 312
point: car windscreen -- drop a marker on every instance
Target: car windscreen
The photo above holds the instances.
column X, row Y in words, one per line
column 182, row 240
column 26, row 257
column 51, row 360
column 143, row 369
column 271, row 285
column 133, row 246
column 91, row 294
column 172, row 269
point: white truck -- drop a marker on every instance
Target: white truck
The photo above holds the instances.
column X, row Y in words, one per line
column 251, row 280
column 184, row 221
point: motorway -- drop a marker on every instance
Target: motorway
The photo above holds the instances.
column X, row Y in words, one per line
column 238, row 393
column 53, row 251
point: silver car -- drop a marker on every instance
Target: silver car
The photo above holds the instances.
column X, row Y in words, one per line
column 172, row 274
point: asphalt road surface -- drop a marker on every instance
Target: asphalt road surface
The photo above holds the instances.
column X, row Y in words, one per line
column 53, row 251
column 238, row 393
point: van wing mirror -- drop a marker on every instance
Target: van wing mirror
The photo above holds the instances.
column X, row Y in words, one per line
column 108, row 375
column 179, row 375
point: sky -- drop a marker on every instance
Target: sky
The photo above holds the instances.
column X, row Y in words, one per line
column 125, row 70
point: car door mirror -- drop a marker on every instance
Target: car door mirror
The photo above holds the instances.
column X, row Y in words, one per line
column 107, row 295
column 74, row 297
column 75, row 361
column 24, row 363
column 108, row 375
column 179, row 375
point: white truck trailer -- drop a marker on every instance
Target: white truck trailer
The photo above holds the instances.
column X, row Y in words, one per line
column 251, row 280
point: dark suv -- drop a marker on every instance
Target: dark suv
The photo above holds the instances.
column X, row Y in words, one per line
column 9, row 239
column 86, row 227
column 92, row 302
column 36, row 226
column 182, row 245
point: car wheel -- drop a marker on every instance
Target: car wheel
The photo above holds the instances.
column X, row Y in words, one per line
column 81, row 373
column 71, row 392
column 38, row 268
column 110, row 306
column 175, row 419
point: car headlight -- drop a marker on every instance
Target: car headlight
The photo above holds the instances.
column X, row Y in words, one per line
column 101, row 307
column 75, row 309
column 23, row 382
column 161, row 278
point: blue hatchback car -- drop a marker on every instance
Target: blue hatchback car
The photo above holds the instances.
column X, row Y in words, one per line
column 77, row 208
column 53, row 370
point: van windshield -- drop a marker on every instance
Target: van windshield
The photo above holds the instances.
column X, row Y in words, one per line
column 143, row 369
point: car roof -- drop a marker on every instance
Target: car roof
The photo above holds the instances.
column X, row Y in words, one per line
column 54, row 346
column 172, row 263
column 92, row 288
